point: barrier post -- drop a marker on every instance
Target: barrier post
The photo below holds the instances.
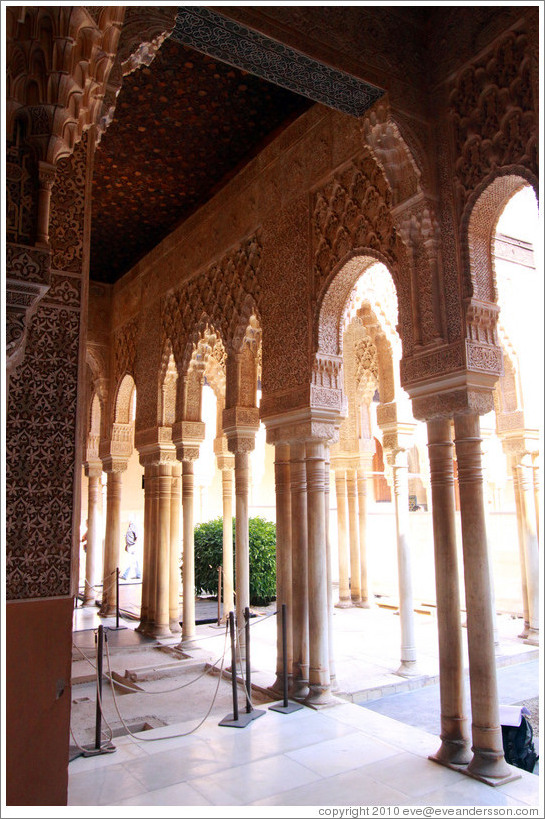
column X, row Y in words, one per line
column 236, row 720
column 249, row 708
column 286, row 707
column 219, row 594
column 117, row 597
column 97, row 748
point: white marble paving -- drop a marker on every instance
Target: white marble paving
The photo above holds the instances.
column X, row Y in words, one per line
column 343, row 755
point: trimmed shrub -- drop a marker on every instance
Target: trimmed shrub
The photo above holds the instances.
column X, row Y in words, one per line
column 209, row 555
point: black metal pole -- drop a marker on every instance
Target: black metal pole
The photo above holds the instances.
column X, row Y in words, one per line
column 99, row 640
column 219, row 595
column 249, row 706
column 233, row 665
column 117, row 597
column 285, row 653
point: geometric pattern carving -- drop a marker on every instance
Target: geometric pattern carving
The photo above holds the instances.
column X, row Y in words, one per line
column 41, row 448
column 492, row 115
column 125, row 350
column 244, row 48
column 225, row 296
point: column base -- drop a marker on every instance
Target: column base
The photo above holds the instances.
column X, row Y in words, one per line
column 408, row 668
column 158, row 630
column 143, row 627
column 175, row 627
column 107, row 611
column 187, row 641
column 89, row 601
column 524, row 633
column 299, row 690
column 363, row 604
column 320, row 696
column 453, row 753
column 532, row 638
column 491, row 768
column 343, row 604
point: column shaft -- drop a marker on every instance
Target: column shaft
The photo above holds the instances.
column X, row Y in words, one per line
column 188, row 575
column 406, row 606
column 488, row 759
column 531, row 558
column 113, row 537
column 355, row 570
column 520, row 532
column 93, row 538
column 344, row 586
column 332, row 670
column 174, row 586
column 362, row 518
column 319, row 679
column 147, row 552
column 298, row 481
column 228, row 583
column 283, row 559
column 454, row 729
column 242, row 548
column 162, row 596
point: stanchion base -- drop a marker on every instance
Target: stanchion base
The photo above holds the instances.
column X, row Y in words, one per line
column 243, row 720
column 286, row 709
column 91, row 750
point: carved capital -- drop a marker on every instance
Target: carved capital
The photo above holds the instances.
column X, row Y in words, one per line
column 93, row 468
column 303, row 425
column 114, row 463
column 190, row 432
column 46, row 175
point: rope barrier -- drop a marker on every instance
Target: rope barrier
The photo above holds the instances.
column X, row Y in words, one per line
column 172, row 736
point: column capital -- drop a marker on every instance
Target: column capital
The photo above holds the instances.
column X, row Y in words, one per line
column 240, row 425
column 93, row 468
column 187, row 437
column 520, row 442
column 155, row 446
column 113, row 463
column 302, row 426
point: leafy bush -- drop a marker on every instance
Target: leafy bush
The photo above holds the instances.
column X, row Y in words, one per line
column 209, row 555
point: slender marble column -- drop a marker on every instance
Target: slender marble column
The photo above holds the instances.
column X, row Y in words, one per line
column 488, row 759
column 242, row 546
column 353, row 526
column 188, row 575
column 520, row 532
column 362, row 519
column 113, row 537
column 283, row 560
column 228, row 583
column 93, row 534
column 153, row 548
column 174, row 586
column 408, row 665
column 298, row 481
column 162, row 589
column 344, row 586
column 454, row 748
column 147, row 552
column 531, row 558
column 535, row 465
column 332, row 669
column 319, row 679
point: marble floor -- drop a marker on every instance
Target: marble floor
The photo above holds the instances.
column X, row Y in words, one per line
column 282, row 765
column 341, row 756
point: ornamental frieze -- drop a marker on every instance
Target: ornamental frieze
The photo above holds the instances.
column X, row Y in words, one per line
column 492, row 115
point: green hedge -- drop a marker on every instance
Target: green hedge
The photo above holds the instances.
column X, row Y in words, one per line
column 209, row 555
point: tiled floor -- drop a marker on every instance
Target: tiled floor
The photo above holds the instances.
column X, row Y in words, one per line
column 344, row 755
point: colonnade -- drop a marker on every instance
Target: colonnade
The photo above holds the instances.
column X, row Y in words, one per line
column 303, row 567
column 303, row 562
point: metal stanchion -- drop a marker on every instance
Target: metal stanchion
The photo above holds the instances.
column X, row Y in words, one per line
column 108, row 748
column 219, row 594
column 237, row 720
column 286, row 707
column 117, row 597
